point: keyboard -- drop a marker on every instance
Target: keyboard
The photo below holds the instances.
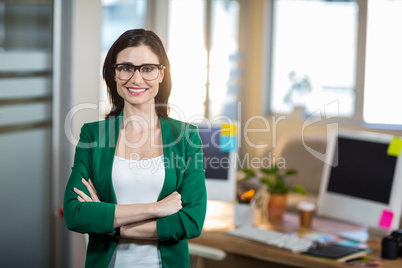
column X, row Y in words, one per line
column 272, row 238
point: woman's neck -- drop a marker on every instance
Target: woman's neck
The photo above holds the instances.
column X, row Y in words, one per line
column 140, row 117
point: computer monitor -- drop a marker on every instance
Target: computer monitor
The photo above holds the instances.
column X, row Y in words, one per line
column 219, row 163
column 361, row 182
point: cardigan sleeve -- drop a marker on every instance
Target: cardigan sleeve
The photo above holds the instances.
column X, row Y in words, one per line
column 189, row 221
column 85, row 217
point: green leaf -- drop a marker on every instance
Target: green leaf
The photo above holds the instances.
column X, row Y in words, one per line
column 268, row 171
column 279, row 189
column 248, row 173
column 290, row 172
column 274, row 178
column 275, row 167
column 269, row 182
column 299, row 189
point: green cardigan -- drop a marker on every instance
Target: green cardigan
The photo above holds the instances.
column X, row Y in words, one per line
column 183, row 173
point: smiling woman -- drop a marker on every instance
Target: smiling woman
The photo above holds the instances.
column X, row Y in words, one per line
column 137, row 214
column 138, row 50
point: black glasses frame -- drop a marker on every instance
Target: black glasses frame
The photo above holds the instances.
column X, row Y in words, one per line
column 138, row 67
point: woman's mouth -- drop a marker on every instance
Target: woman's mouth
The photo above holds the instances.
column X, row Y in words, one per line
column 136, row 91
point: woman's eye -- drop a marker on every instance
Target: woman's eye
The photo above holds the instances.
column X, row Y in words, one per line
column 125, row 68
column 147, row 69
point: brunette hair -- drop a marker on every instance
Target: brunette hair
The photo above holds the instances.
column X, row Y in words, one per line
column 135, row 38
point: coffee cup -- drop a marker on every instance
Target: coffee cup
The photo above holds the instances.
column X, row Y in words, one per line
column 306, row 211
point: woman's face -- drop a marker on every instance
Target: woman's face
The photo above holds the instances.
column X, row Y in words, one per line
column 137, row 91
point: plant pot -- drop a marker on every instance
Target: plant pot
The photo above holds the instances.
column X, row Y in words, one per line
column 276, row 206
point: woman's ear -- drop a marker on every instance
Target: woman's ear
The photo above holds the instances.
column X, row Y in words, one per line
column 162, row 74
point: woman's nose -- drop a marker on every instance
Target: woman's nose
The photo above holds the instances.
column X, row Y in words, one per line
column 136, row 78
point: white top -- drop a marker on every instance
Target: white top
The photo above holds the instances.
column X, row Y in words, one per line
column 137, row 181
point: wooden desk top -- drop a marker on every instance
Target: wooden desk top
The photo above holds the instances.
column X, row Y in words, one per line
column 220, row 219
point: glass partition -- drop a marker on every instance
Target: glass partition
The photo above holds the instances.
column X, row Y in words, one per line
column 25, row 132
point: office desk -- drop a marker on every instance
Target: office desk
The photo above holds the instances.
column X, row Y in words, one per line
column 242, row 252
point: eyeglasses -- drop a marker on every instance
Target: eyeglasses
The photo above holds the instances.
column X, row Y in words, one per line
column 149, row 72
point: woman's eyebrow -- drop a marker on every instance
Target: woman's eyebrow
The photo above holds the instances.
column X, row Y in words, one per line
column 129, row 63
column 126, row 62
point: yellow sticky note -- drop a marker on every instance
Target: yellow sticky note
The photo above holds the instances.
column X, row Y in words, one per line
column 228, row 130
column 395, row 147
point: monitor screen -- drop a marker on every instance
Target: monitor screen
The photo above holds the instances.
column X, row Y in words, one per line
column 365, row 170
column 214, row 158
column 219, row 165
column 360, row 180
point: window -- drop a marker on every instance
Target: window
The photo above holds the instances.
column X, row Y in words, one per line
column 119, row 16
column 314, row 55
column 188, row 57
column 382, row 92
column 204, row 54
column 224, row 60
column 342, row 50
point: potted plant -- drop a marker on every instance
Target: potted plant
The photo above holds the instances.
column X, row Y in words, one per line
column 276, row 183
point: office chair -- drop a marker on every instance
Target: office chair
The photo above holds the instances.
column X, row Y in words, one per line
column 200, row 251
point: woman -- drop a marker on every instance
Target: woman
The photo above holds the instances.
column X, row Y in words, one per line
column 137, row 185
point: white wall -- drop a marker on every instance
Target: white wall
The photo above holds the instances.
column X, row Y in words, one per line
column 86, row 26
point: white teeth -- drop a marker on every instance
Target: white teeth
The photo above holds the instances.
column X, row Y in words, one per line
column 137, row 90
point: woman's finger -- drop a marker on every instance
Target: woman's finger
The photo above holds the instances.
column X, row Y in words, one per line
column 92, row 185
column 82, row 197
column 96, row 197
column 91, row 190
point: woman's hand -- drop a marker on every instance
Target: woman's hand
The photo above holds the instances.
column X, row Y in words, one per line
column 169, row 205
column 82, row 197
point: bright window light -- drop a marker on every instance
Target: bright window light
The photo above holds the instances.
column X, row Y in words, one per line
column 383, row 92
column 189, row 59
column 314, row 55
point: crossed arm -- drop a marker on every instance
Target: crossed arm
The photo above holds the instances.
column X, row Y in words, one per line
column 136, row 221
